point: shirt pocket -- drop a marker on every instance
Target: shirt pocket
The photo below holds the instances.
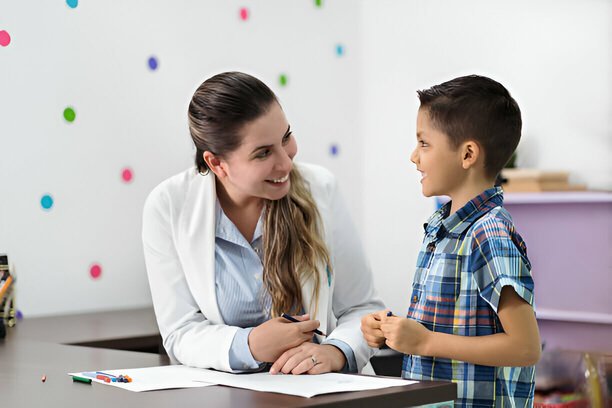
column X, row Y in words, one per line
column 443, row 283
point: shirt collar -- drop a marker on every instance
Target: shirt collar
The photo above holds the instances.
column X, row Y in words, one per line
column 441, row 224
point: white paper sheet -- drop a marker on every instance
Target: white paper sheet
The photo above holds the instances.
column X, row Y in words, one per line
column 179, row 376
column 300, row 385
column 153, row 378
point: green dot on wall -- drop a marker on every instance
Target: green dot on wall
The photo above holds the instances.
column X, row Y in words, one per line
column 319, row 3
column 69, row 114
column 282, row 79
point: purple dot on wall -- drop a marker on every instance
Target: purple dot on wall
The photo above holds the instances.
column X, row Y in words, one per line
column 127, row 175
column 19, row 315
column 5, row 38
column 153, row 64
column 95, row 270
column 334, row 150
column 244, row 14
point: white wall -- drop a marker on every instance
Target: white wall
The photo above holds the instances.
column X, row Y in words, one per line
column 553, row 55
column 94, row 57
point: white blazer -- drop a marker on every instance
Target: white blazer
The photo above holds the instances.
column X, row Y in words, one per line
column 179, row 247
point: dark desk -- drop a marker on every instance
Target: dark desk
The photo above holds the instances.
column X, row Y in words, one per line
column 31, row 350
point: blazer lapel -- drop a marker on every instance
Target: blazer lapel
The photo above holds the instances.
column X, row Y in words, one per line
column 196, row 243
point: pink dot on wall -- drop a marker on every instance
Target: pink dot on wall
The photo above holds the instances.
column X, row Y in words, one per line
column 127, row 175
column 95, row 270
column 244, row 13
column 5, row 38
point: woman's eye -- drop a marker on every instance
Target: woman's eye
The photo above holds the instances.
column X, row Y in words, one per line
column 263, row 154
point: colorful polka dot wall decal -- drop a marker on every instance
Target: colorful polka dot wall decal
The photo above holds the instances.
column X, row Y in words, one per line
column 340, row 50
column 334, row 150
column 318, row 3
column 282, row 79
column 127, row 175
column 95, row 271
column 19, row 315
column 5, row 38
column 69, row 114
column 46, row 202
column 153, row 64
column 72, row 3
column 244, row 14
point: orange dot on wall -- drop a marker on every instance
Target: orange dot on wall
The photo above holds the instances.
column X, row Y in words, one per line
column 95, row 271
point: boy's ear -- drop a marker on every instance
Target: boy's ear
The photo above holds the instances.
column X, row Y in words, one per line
column 470, row 154
column 214, row 164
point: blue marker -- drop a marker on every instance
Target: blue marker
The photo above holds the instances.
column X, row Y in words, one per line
column 389, row 313
column 294, row 320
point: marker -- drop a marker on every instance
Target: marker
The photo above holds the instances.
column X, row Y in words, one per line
column 389, row 313
column 294, row 320
column 110, row 376
column 76, row 378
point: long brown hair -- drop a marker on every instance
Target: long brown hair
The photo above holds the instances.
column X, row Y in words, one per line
column 293, row 245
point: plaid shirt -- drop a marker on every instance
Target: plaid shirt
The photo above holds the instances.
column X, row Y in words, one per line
column 465, row 261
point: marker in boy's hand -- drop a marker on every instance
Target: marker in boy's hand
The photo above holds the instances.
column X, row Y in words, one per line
column 405, row 335
column 370, row 327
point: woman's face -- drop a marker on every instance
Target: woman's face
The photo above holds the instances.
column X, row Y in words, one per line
column 260, row 166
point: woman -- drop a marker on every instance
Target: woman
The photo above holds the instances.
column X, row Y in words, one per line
column 248, row 235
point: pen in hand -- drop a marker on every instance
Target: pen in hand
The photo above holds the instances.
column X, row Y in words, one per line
column 294, row 320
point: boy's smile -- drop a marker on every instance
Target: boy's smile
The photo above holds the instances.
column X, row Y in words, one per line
column 436, row 160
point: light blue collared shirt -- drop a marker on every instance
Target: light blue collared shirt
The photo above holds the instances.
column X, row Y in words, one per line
column 241, row 298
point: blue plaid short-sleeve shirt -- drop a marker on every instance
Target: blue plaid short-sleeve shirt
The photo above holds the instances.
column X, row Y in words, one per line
column 465, row 261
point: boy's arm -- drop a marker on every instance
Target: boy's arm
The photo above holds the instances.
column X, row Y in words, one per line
column 518, row 346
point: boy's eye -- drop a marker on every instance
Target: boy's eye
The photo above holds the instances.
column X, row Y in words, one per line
column 422, row 143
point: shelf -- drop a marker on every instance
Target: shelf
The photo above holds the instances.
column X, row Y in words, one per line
column 577, row 317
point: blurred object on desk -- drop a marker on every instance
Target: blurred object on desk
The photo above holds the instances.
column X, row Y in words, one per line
column 571, row 379
column 533, row 180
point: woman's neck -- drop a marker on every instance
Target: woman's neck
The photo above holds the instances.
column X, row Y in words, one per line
column 243, row 212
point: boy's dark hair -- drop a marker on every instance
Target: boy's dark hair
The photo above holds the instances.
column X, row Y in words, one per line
column 476, row 108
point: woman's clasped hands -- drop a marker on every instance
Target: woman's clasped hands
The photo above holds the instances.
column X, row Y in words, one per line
column 290, row 348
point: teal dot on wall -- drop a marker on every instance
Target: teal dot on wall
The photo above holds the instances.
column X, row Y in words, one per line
column 69, row 114
column 72, row 3
column 46, row 202
column 282, row 79
column 340, row 50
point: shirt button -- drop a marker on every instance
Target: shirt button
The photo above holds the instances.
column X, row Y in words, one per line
column 415, row 298
column 431, row 247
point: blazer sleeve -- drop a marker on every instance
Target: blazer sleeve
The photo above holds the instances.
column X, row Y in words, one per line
column 188, row 336
column 353, row 291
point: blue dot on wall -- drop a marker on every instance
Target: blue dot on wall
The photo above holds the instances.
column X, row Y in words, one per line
column 153, row 63
column 334, row 150
column 46, row 202
column 340, row 50
column 72, row 3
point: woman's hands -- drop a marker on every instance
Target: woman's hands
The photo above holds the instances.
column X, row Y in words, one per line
column 271, row 339
column 309, row 358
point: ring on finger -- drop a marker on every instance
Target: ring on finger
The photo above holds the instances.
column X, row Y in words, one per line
column 314, row 360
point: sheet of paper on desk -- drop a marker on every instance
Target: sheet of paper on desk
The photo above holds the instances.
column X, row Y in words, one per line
column 154, row 378
column 300, row 385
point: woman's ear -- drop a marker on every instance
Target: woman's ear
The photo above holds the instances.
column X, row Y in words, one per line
column 470, row 154
column 214, row 164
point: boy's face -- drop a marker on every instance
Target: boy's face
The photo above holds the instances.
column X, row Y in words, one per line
column 436, row 160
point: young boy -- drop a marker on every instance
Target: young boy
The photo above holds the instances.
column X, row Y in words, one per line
column 471, row 317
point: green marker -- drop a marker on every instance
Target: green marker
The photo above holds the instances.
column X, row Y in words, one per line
column 76, row 378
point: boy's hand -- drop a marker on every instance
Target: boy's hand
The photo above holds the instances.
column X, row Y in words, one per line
column 405, row 335
column 370, row 327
